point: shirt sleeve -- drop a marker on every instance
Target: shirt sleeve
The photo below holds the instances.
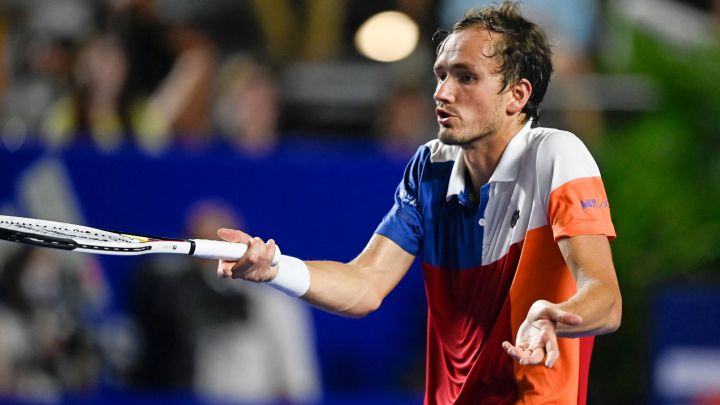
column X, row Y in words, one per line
column 403, row 224
column 572, row 189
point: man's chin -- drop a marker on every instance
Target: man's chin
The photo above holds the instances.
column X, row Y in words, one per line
column 446, row 136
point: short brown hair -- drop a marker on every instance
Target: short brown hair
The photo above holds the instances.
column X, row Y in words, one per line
column 524, row 49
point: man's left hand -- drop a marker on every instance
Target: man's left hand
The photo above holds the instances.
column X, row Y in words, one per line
column 537, row 336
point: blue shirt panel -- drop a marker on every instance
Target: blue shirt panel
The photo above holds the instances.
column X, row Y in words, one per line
column 444, row 233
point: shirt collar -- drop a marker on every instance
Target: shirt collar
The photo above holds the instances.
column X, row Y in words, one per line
column 506, row 170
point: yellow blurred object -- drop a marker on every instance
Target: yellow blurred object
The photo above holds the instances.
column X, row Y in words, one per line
column 312, row 32
column 387, row 37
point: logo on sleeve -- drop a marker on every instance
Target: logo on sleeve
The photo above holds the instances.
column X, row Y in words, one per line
column 594, row 203
column 407, row 199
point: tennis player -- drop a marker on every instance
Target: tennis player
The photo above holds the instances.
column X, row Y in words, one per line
column 511, row 222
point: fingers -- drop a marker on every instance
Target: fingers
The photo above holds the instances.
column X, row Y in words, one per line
column 518, row 352
column 536, row 341
column 271, row 248
column 511, row 350
column 233, row 235
column 532, row 357
column 523, row 354
column 256, row 250
column 224, row 269
column 256, row 258
column 553, row 352
column 229, row 269
column 255, row 264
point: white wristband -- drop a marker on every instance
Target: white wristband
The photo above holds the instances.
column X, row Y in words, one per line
column 293, row 277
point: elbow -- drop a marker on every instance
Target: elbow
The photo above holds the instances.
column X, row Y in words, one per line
column 615, row 318
column 368, row 305
column 618, row 315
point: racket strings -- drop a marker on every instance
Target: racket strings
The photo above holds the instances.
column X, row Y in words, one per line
column 55, row 230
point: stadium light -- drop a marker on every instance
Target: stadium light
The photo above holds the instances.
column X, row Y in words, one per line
column 388, row 36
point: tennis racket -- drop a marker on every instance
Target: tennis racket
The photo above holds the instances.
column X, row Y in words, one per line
column 77, row 238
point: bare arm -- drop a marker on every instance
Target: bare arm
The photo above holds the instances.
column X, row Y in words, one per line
column 595, row 308
column 598, row 299
column 352, row 289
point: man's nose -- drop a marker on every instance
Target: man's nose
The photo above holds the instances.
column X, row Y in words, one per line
column 444, row 92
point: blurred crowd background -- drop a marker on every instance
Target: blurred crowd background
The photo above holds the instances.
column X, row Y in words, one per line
column 293, row 120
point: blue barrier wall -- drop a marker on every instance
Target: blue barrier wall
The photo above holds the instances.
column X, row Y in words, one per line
column 318, row 200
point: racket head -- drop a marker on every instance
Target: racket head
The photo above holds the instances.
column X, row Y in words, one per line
column 79, row 238
column 65, row 236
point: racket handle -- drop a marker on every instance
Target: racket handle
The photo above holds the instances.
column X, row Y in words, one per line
column 220, row 250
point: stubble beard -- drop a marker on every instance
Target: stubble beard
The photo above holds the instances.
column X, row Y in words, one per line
column 467, row 137
column 449, row 136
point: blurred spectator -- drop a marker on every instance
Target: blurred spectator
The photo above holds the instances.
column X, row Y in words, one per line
column 233, row 341
column 3, row 57
column 138, row 78
column 405, row 121
column 39, row 43
column 709, row 6
column 311, row 29
column 248, row 105
column 48, row 342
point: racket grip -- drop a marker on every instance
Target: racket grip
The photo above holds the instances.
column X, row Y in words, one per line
column 220, row 250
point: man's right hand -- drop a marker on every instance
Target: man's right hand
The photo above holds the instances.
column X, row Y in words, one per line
column 256, row 263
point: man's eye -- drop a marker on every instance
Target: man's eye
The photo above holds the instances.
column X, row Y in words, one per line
column 467, row 78
column 440, row 76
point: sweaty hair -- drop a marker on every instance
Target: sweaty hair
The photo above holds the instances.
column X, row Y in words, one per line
column 523, row 49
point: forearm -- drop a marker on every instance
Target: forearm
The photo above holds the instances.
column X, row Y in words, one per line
column 353, row 289
column 357, row 288
column 597, row 300
column 345, row 289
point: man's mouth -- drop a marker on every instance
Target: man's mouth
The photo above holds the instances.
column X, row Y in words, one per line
column 444, row 116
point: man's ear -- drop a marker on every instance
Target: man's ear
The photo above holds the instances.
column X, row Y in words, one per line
column 519, row 95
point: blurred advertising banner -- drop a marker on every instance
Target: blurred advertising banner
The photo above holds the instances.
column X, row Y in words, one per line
column 686, row 350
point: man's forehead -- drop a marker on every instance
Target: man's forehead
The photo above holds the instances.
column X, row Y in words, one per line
column 472, row 42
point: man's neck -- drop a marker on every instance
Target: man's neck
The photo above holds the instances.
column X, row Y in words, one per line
column 482, row 157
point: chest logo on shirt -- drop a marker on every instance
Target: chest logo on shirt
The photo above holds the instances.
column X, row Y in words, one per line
column 514, row 219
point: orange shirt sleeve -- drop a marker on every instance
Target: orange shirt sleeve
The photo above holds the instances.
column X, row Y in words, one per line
column 580, row 207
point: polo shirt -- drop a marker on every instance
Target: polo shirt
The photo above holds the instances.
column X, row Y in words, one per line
column 485, row 262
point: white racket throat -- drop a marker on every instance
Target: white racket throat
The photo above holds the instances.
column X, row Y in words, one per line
column 79, row 238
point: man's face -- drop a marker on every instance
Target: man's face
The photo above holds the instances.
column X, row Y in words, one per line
column 468, row 104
